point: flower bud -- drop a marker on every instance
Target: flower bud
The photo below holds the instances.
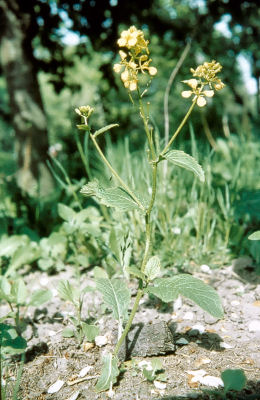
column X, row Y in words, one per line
column 201, row 101
column 186, row 94
column 152, row 71
column 117, row 68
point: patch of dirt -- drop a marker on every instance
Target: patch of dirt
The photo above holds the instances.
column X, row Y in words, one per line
column 199, row 342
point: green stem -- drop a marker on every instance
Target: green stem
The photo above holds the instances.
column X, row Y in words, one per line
column 115, row 173
column 146, row 127
column 129, row 322
column 178, row 129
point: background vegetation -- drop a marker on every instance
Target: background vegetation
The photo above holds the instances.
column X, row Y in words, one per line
column 57, row 55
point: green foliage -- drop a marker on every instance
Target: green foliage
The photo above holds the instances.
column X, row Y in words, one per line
column 109, row 373
column 184, row 160
column 168, row 289
column 80, row 329
column 116, row 296
column 234, row 379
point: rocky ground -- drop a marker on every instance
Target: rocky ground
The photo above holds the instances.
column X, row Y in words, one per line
column 203, row 347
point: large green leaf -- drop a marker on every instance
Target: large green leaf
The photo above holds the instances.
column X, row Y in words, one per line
column 116, row 296
column 111, row 197
column 184, row 160
column 234, row 379
column 109, row 373
column 65, row 212
column 168, row 289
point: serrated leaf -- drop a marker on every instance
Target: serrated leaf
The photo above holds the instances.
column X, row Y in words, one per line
column 40, row 297
column 104, row 129
column 113, row 197
column 233, row 379
column 135, row 272
column 109, row 373
column 116, row 296
column 168, row 289
column 254, row 236
column 66, row 212
column 152, row 268
column 184, row 160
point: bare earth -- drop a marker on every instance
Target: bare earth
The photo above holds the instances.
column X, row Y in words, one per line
column 200, row 342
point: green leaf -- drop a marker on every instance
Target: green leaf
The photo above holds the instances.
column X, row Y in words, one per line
column 168, row 289
column 100, row 273
column 135, row 272
column 23, row 255
column 68, row 292
column 19, row 292
column 66, row 212
column 184, row 160
column 109, row 373
column 116, row 296
column 152, row 268
column 234, row 379
column 90, row 331
column 254, row 236
column 68, row 332
column 40, row 297
column 113, row 197
column 8, row 245
column 104, row 129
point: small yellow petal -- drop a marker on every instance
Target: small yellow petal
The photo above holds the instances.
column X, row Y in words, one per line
column 122, row 54
column 133, row 85
column 186, row 94
column 209, row 93
column 152, row 71
column 117, row 67
column 201, row 101
column 125, row 76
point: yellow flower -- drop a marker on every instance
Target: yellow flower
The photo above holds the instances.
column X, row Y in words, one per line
column 207, row 73
column 152, row 71
column 136, row 60
column 201, row 101
column 117, row 67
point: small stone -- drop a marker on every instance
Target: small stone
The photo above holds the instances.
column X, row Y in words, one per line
column 235, row 303
column 159, row 385
column 198, row 327
column 101, row 341
column 87, row 346
column 56, row 386
column 74, row 396
column 225, row 345
column 212, row 381
column 177, row 304
column 84, row 371
column 188, row 315
column 205, row 268
column 182, row 341
column 254, row 326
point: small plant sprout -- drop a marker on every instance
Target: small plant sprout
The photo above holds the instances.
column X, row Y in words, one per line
column 136, row 62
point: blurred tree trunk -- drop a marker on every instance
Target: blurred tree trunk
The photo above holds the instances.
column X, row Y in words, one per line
column 28, row 117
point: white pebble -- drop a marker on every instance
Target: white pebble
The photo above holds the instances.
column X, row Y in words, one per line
column 225, row 345
column 177, row 304
column 84, row 371
column 101, row 341
column 159, row 385
column 254, row 326
column 188, row 315
column 205, row 268
column 235, row 303
column 145, row 364
column 199, row 328
column 55, row 387
column 212, row 381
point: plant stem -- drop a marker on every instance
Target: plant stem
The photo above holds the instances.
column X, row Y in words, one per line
column 129, row 191
column 178, row 129
column 146, row 127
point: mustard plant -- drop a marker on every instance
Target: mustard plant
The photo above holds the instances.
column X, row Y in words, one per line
column 134, row 67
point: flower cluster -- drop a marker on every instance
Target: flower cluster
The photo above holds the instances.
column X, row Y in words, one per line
column 135, row 60
column 207, row 74
column 85, row 112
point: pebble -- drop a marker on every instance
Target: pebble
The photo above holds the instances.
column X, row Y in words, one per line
column 235, row 303
column 225, row 345
column 205, row 268
column 182, row 341
column 254, row 326
column 101, row 341
column 159, row 385
column 198, row 327
column 188, row 315
column 84, row 371
column 56, row 386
